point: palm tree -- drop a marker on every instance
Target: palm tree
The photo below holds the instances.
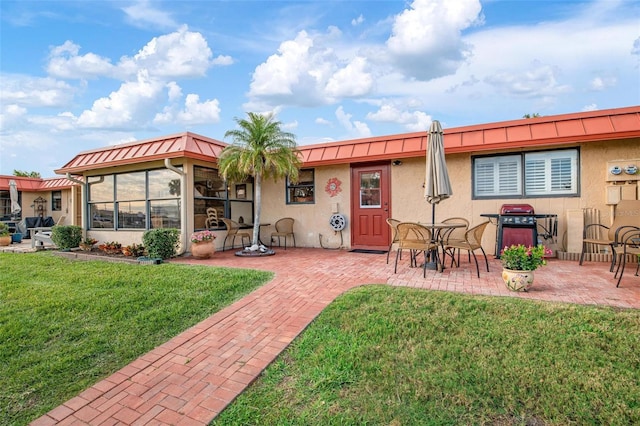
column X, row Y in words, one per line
column 262, row 150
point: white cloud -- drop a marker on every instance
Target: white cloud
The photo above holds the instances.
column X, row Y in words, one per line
column 591, row 107
column 350, row 81
column 412, row 121
column 535, row 81
column 64, row 62
column 307, row 71
column 426, row 40
column 34, row 92
column 194, row 112
column 128, row 107
column 142, row 14
column 357, row 21
column 180, row 54
column 322, row 121
column 176, row 55
column 292, row 125
column 355, row 129
column 222, row 60
column 603, row 83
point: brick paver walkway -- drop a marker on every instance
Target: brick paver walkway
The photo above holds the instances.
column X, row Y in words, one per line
column 190, row 379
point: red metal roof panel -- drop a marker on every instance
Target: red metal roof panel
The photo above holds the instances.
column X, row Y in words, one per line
column 519, row 133
column 544, row 130
column 625, row 122
column 570, row 128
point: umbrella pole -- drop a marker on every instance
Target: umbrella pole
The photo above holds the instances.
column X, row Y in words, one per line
column 432, row 264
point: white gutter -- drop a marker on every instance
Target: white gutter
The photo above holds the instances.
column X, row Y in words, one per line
column 183, row 204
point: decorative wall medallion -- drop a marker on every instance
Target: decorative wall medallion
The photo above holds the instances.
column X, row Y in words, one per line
column 333, row 187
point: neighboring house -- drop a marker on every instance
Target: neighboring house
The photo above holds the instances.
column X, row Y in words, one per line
column 53, row 197
column 558, row 164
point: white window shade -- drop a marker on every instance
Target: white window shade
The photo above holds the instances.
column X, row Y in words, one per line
column 551, row 173
column 497, row 176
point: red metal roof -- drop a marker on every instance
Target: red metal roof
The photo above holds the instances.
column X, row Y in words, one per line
column 619, row 123
column 611, row 124
column 174, row 146
column 36, row 184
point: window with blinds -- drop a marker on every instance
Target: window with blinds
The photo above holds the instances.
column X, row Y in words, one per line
column 551, row 173
column 497, row 176
column 531, row 174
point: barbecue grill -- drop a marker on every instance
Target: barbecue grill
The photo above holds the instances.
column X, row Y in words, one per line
column 516, row 225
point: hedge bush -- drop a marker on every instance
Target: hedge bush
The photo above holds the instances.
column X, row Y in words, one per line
column 161, row 243
column 66, row 236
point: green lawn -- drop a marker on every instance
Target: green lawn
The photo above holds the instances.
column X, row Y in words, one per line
column 377, row 355
column 396, row 356
column 64, row 325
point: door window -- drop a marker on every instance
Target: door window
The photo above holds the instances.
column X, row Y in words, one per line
column 370, row 190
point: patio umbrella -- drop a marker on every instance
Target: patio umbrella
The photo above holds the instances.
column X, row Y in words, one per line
column 13, row 193
column 437, row 186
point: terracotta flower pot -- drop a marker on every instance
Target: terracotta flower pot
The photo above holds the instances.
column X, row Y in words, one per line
column 5, row 240
column 517, row 280
column 203, row 250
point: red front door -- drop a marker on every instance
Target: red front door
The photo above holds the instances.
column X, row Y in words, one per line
column 370, row 189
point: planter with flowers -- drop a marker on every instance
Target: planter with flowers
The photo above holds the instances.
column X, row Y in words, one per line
column 519, row 262
column 202, row 246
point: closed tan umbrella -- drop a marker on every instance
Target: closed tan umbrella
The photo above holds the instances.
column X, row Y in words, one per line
column 13, row 194
column 437, row 186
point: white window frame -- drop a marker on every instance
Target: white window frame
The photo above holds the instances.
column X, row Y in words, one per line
column 551, row 169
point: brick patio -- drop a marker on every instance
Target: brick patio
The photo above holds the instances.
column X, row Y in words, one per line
column 190, row 379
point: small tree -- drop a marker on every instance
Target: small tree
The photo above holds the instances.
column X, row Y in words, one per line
column 262, row 150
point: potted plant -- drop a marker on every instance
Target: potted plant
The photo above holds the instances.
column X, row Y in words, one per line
column 88, row 243
column 5, row 236
column 202, row 246
column 519, row 262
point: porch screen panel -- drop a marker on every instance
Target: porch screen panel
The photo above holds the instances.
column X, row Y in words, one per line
column 101, row 201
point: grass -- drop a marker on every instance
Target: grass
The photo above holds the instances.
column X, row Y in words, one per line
column 395, row 356
column 64, row 325
column 377, row 355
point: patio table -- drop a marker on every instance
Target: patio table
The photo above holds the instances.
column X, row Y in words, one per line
column 438, row 231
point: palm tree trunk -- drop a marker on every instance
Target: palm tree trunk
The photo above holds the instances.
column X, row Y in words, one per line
column 256, row 219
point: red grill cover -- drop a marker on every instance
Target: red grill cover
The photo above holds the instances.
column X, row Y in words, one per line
column 516, row 209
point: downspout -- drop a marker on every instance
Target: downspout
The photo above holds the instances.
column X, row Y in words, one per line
column 183, row 210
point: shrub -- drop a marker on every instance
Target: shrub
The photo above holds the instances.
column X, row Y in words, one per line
column 133, row 250
column 111, row 247
column 66, row 236
column 4, row 230
column 161, row 243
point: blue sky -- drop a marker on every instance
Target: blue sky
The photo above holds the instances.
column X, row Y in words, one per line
column 82, row 75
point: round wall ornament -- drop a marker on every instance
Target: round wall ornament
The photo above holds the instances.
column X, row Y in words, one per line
column 333, row 187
